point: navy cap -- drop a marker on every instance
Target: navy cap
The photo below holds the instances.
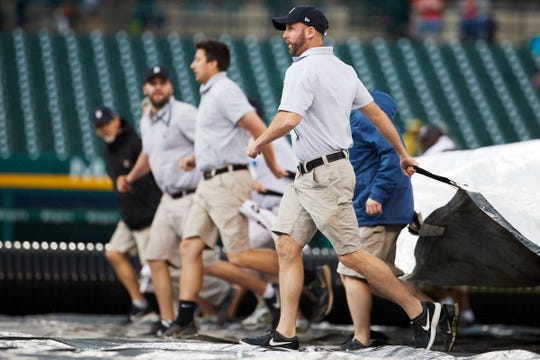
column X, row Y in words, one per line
column 309, row 15
column 156, row 71
column 103, row 115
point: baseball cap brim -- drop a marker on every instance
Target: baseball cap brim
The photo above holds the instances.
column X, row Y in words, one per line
column 280, row 23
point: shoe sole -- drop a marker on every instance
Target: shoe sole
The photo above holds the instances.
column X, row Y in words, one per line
column 142, row 318
column 434, row 324
column 453, row 328
column 267, row 347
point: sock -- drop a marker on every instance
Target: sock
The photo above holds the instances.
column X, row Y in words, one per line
column 269, row 292
column 166, row 323
column 186, row 309
column 140, row 303
column 447, row 300
column 467, row 315
column 420, row 315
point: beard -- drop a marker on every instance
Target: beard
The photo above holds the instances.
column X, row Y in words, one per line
column 109, row 139
column 158, row 104
column 297, row 48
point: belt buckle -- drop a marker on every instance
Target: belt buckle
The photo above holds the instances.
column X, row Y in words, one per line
column 302, row 168
column 230, row 167
column 212, row 172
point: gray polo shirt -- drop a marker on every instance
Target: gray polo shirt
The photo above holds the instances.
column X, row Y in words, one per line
column 218, row 139
column 323, row 90
column 167, row 138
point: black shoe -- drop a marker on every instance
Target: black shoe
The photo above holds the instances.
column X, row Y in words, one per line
column 273, row 340
column 160, row 328
column 224, row 307
column 322, row 293
column 425, row 325
column 448, row 325
column 177, row 331
column 351, row 345
column 136, row 313
column 273, row 304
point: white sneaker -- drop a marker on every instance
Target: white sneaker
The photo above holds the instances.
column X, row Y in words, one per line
column 259, row 318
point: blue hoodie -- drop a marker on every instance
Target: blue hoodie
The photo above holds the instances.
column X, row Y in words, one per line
column 377, row 169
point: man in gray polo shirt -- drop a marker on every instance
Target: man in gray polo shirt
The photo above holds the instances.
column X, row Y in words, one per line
column 168, row 132
column 225, row 120
column 319, row 92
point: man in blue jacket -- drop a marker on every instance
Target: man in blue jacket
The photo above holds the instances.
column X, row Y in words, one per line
column 383, row 202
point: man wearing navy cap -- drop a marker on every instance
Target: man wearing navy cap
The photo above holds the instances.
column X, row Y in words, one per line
column 319, row 92
column 137, row 207
column 168, row 131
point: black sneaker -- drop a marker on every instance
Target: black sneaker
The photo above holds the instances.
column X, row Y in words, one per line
column 448, row 325
column 352, row 344
column 425, row 325
column 273, row 304
column 273, row 340
column 322, row 293
column 136, row 313
column 177, row 331
column 160, row 328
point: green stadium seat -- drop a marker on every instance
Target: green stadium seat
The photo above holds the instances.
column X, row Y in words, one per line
column 29, row 120
column 53, row 98
column 529, row 104
column 480, row 93
column 261, row 72
column 465, row 133
column 81, row 96
column 495, row 67
column 132, row 67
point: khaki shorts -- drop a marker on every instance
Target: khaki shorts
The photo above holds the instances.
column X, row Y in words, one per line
column 168, row 229
column 321, row 199
column 130, row 242
column 216, row 205
column 379, row 241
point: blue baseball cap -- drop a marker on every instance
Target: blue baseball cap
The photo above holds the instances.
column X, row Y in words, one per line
column 156, row 71
column 309, row 15
column 103, row 115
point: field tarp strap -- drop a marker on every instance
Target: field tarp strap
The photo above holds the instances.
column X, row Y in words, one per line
column 467, row 242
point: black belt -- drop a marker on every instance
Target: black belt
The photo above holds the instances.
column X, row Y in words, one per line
column 312, row 164
column 208, row 174
column 182, row 193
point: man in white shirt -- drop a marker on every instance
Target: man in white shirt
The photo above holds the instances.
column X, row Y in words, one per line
column 225, row 120
column 318, row 94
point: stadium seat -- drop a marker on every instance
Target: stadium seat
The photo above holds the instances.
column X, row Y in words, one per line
column 481, row 93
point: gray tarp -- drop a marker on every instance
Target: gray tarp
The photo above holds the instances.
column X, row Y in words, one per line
column 485, row 234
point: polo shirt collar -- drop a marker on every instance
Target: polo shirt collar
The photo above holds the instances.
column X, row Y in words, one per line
column 320, row 50
column 214, row 79
column 163, row 115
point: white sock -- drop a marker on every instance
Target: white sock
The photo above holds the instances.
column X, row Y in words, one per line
column 467, row 315
column 447, row 300
column 141, row 303
column 269, row 292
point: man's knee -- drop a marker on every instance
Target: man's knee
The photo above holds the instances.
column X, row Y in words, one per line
column 355, row 260
column 191, row 247
column 114, row 256
column 287, row 248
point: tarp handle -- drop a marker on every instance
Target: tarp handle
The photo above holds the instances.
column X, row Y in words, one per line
column 435, row 177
